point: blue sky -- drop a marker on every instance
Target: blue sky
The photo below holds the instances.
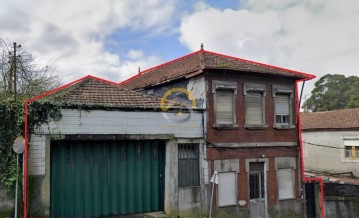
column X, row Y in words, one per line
column 112, row 38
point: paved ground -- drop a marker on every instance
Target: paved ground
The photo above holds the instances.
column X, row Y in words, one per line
column 143, row 215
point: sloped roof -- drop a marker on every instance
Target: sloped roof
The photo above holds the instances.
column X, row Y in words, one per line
column 194, row 63
column 92, row 91
column 338, row 119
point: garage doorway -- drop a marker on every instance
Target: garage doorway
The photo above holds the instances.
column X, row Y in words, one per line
column 104, row 178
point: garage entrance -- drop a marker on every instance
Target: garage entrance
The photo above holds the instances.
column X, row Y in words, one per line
column 105, row 178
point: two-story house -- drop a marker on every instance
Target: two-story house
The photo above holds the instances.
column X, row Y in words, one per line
column 251, row 130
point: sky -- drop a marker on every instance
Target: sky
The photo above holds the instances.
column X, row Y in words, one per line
column 111, row 39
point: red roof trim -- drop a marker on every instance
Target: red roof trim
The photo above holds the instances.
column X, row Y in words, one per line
column 309, row 76
column 159, row 66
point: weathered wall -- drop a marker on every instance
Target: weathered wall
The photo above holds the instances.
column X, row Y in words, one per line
column 276, row 207
column 341, row 207
column 241, row 134
column 7, row 203
column 324, row 159
column 139, row 125
column 196, row 86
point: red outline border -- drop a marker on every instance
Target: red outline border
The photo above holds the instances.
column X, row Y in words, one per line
column 309, row 76
column 304, row 179
column 26, row 140
column 285, row 70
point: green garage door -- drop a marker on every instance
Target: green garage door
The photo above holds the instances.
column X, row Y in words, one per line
column 103, row 178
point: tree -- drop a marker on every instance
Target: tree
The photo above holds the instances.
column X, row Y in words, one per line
column 31, row 78
column 334, row 92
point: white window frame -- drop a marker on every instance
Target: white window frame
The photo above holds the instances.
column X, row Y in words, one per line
column 288, row 164
column 229, row 86
column 283, row 90
column 354, row 146
column 255, row 88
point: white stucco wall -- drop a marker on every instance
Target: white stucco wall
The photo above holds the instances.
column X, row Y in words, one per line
column 325, row 159
column 108, row 122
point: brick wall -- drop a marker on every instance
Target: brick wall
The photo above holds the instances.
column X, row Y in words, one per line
column 241, row 134
column 215, row 153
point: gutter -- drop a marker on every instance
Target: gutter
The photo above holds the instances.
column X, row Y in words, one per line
column 308, row 179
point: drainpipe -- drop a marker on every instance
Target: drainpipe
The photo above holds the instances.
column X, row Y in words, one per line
column 304, row 179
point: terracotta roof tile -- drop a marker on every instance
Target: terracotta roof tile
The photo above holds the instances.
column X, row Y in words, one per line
column 338, row 119
column 195, row 63
column 91, row 91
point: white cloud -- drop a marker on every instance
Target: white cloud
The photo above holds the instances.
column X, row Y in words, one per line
column 314, row 36
column 71, row 34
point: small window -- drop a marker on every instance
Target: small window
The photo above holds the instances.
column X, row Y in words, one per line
column 282, row 111
column 283, row 116
column 254, row 108
column 352, row 152
column 227, row 189
column 285, row 177
column 224, row 107
column 254, row 101
column 285, row 184
column 224, row 104
column 188, row 165
column 351, row 147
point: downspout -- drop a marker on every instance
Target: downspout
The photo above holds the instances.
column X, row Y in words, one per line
column 304, row 179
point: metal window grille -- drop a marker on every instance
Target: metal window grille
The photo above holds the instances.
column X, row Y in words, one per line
column 188, row 165
column 256, row 185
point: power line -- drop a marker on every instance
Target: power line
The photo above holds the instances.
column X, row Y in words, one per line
column 325, row 146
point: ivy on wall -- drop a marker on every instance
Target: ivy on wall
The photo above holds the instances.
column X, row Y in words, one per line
column 12, row 126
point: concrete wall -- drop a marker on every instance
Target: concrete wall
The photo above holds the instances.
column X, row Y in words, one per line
column 196, row 86
column 126, row 125
column 324, row 159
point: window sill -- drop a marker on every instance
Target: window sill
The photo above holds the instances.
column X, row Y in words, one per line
column 350, row 160
column 225, row 126
column 255, row 126
column 283, row 126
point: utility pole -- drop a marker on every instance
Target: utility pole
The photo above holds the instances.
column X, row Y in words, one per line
column 14, row 69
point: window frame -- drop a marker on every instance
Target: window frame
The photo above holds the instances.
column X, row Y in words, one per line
column 255, row 88
column 185, row 183
column 226, row 86
column 286, row 163
column 283, row 90
column 354, row 149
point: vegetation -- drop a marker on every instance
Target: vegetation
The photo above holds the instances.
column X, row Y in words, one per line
column 32, row 79
column 334, row 92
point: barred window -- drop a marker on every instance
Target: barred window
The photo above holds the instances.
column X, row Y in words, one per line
column 188, row 165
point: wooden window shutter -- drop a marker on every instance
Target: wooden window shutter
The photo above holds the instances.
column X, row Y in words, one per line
column 282, row 104
column 285, row 183
column 224, row 107
column 254, row 108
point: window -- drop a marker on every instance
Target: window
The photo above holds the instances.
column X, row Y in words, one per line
column 351, row 148
column 224, row 103
column 285, row 184
column 282, row 111
column 188, row 165
column 285, row 169
column 227, row 188
column 254, row 101
column 283, row 96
